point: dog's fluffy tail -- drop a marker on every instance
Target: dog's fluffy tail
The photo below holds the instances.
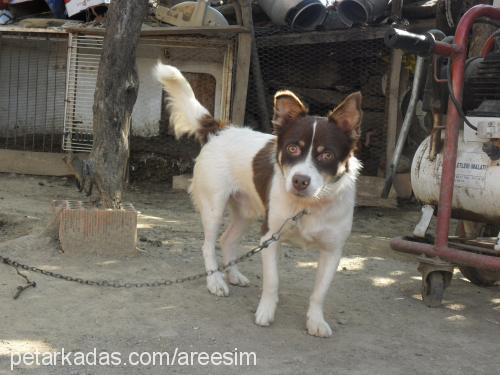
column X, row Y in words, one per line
column 187, row 115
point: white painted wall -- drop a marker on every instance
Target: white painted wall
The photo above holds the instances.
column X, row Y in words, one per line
column 37, row 86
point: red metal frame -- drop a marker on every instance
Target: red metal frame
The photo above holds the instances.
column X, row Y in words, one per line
column 489, row 44
column 458, row 53
column 445, row 49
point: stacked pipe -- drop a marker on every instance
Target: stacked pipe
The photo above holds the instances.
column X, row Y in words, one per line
column 362, row 11
column 298, row 14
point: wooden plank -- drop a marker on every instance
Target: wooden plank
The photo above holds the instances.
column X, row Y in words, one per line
column 242, row 66
column 34, row 163
column 315, row 37
column 21, row 29
column 227, row 31
column 241, row 79
column 392, row 112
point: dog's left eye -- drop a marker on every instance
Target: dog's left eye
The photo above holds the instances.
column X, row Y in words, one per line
column 293, row 149
column 325, row 156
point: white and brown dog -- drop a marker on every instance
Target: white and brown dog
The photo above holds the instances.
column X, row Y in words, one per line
column 308, row 164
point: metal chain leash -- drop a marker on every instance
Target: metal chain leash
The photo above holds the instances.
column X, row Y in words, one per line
column 158, row 283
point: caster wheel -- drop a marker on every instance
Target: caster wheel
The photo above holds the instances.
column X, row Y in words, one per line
column 433, row 289
column 480, row 277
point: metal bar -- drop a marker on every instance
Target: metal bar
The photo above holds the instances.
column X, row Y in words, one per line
column 405, row 128
column 445, row 49
column 56, row 50
column 35, row 117
column 480, row 249
column 7, row 135
column 66, row 101
column 453, row 121
column 17, row 97
column 44, row 123
column 489, row 44
column 455, row 256
column 26, row 118
column 46, row 87
column 6, row 132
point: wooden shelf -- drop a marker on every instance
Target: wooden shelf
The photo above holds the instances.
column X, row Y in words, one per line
column 171, row 30
column 228, row 31
column 317, row 37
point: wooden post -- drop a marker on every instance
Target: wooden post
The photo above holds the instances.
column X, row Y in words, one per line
column 115, row 96
column 242, row 63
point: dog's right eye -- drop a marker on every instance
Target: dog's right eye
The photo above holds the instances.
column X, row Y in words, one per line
column 293, row 149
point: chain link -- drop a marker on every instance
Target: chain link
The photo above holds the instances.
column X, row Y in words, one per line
column 158, row 283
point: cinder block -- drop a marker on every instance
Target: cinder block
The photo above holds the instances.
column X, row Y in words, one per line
column 181, row 182
column 84, row 229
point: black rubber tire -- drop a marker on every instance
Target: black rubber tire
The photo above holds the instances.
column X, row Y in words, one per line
column 480, row 277
column 433, row 289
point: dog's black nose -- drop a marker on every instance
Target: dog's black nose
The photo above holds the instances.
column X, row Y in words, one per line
column 301, row 182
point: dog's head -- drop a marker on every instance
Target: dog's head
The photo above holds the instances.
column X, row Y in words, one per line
column 313, row 151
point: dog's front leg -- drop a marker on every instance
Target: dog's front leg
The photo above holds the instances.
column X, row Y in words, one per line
column 264, row 315
column 327, row 266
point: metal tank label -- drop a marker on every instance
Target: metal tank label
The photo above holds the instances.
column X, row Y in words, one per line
column 471, row 170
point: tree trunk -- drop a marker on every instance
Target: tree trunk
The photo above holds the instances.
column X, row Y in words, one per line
column 114, row 99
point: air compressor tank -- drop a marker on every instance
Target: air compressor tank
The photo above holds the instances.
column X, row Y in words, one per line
column 476, row 194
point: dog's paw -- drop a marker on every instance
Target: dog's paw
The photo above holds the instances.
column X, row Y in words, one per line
column 318, row 327
column 235, row 277
column 216, row 284
column 264, row 315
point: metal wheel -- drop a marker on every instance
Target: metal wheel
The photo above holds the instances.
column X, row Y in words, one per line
column 480, row 277
column 433, row 289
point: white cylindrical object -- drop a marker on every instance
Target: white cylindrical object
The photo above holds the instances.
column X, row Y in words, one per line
column 476, row 194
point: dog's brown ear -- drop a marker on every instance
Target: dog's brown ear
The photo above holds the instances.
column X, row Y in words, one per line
column 348, row 114
column 287, row 106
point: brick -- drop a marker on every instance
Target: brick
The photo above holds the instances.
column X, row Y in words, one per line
column 84, row 229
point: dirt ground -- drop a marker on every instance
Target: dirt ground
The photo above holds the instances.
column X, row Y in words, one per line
column 380, row 324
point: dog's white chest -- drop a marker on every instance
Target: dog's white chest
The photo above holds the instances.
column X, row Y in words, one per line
column 321, row 228
column 303, row 234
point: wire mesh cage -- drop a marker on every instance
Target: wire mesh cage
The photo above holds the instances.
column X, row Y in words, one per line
column 200, row 57
column 323, row 73
column 83, row 63
column 32, row 90
column 48, row 83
